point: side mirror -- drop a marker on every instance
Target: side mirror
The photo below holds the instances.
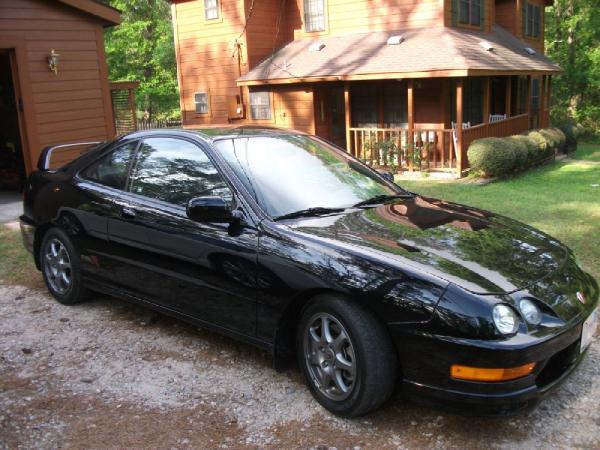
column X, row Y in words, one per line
column 387, row 175
column 209, row 209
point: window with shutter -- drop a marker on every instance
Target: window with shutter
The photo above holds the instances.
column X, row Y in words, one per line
column 470, row 12
column 532, row 18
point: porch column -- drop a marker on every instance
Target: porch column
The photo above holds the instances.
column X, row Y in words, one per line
column 528, row 95
column 411, row 123
column 542, row 96
column 347, row 116
column 486, row 99
column 508, row 100
column 459, row 126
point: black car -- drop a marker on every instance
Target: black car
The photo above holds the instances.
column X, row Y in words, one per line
column 289, row 243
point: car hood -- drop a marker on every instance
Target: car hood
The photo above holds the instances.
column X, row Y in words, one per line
column 480, row 251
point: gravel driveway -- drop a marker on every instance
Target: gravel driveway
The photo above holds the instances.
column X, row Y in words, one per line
column 106, row 374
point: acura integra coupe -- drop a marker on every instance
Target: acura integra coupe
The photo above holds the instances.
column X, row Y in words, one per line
column 284, row 241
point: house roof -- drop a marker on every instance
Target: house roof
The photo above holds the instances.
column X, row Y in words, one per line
column 107, row 14
column 427, row 52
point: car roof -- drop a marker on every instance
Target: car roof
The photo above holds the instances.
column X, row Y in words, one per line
column 222, row 132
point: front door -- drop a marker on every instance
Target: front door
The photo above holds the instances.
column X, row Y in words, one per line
column 330, row 114
column 173, row 261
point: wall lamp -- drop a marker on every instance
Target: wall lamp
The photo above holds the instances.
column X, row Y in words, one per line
column 53, row 61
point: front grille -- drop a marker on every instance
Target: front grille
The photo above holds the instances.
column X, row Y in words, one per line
column 557, row 365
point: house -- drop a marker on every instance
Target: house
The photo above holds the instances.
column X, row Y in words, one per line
column 53, row 79
column 428, row 75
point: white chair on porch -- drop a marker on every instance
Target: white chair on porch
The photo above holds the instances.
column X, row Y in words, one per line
column 496, row 118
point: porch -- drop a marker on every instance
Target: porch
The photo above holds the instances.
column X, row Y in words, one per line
column 428, row 124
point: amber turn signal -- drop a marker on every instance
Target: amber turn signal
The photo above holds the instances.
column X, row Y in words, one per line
column 484, row 374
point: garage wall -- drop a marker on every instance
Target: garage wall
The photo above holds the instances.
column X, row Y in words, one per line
column 75, row 104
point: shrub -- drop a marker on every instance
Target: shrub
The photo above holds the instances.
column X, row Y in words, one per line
column 533, row 152
column 521, row 152
column 545, row 147
column 550, row 137
column 562, row 139
column 571, row 133
column 492, row 157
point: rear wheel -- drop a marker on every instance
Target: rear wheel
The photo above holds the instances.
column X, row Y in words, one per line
column 346, row 355
column 61, row 268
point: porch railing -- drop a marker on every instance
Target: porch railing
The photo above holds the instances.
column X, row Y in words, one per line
column 390, row 148
column 502, row 128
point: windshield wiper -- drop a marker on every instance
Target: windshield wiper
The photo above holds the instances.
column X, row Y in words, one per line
column 316, row 211
column 381, row 198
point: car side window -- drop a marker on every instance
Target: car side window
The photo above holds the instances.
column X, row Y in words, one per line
column 175, row 171
column 112, row 169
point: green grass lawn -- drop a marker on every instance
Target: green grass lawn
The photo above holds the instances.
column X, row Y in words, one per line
column 588, row 150
column 16, row 263
column 559, row 199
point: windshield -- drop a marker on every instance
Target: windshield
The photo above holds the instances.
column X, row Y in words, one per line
column 289, row 173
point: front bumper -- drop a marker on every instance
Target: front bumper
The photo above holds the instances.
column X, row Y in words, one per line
column 27, row 233
column 426, row 361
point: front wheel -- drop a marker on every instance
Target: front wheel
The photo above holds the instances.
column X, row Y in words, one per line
column 61, row 268
column 347, row 356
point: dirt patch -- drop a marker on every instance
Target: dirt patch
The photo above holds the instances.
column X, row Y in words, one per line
column 106, row 374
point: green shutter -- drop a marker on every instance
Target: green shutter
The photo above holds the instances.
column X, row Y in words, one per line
column 455, row 12
column 482, row 13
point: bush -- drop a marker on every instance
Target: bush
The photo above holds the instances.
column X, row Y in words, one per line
column 492, row 157
column 571, row 133
column 545, row 146
column 521, row 152
column 562, row 139
column 533, row 153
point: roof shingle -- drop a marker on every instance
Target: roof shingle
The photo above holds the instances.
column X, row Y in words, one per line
column 423, row 50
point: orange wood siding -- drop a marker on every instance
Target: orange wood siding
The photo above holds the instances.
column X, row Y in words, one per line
column 355, row 16
column 506, row 14
column 73, row 105
column 429, row 103
column 261, row 32
column 206, row 58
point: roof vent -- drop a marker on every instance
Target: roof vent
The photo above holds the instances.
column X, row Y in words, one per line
column 395, row 40
column 487, row 46
column 530, row 50
column 316, row 47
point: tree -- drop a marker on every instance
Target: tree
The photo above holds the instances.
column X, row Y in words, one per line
column 573, row 41
column 141, row 49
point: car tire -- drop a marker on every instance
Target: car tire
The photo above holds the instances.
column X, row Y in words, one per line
column 351, row 369
column 61, row 268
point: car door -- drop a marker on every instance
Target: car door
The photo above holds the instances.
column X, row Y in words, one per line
column 180, row 264
column 100, row 188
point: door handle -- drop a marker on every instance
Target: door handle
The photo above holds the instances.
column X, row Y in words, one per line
column 128, row 213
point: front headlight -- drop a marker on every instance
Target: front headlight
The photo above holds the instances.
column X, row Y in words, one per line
column 505, row 319
column 530, row 311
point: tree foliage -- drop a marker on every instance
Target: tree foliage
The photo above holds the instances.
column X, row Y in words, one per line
column 141, row 49
column 573, row 41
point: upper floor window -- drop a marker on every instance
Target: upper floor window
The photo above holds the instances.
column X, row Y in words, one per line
column 314, row 15
column 532, row 20
column 469, row 12
column 211, row 9
column 260, row 105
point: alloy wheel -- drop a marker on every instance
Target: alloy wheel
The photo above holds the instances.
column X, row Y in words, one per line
column 57, row 266
column 329, row 356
